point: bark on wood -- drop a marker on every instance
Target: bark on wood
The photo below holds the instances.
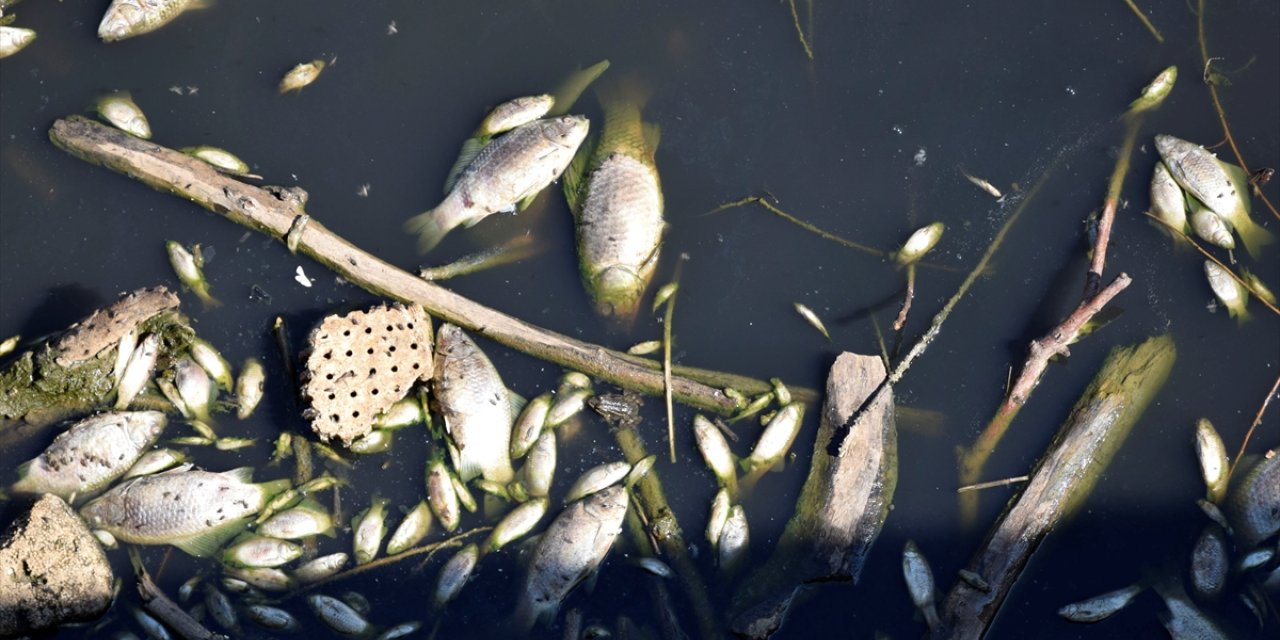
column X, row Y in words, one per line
column 1063, row 479
column 155, row 602
column 168, row 170
column 843, row 504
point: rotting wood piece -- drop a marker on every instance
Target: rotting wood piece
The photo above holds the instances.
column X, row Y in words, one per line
column 360, row 363
column 174, row 172
column 844, row 502
column 103, row 328
column 1063, row 479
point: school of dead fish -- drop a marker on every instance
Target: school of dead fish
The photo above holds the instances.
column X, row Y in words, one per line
column 130, row 488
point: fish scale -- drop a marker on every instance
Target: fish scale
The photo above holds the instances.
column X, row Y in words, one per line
column 91, row 454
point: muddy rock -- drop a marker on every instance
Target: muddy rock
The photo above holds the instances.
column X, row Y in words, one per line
column 52, row 570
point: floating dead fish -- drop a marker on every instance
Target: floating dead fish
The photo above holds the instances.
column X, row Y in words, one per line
column 776, row 439
column 261, row 551
column 566, row 405
column 196, row 391
column 920, row 243
column 155, row 461
column 454, row 575
column 338, row 615
column 513, row 167
column 402, row 630
column 368, row 529
column 195, row 511
column 376, row 441
column 320, row 568
column 128, row 18
column 812, row 318
column 596, row 479
column 415, row 526
column 90, row 454
column 1229, row 292
column 1222, row 187
column 272, row 618
column 516, row 523
column 720, row 507
column 136, row 374
column 1155, row 92
column 14, row 39
column 540, row 465
column 222, row 160
column 306, row 519
column 265, row 578
column 1211, row 227
column 441, row 495
column 1184, row 620
column 301, row 75
column 1253, row 506
column 528, row 425
column 645, row 348
column 715, row 451
column 465, row 498
column 1213, row 459
column 1100, row 607
column 1257, row 286
column 217, row 366
column 220, row 609
column 1167, row 202
column 573, row 546
column 983, row 184
column 919, row 577
column 123, row 113
column 639, row 470
column 476, row 405
column 1209, row 563
column 735, row 541
column 249, row 387
column 656, row 567
column 504, row 117
column 405, row 412
column 11, row 343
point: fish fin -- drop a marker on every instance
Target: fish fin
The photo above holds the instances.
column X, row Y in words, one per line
column 1253, row 235
column 273, row 487
column 429, row 229
column 207, row 543
column 8, row 20
column 626, row 92
column 200, row 4
column 1240, row 181
column 569, row 90
column 652, row 135
column 574, row 176
column 24, row 484
column 516, row 402
column 470, row 149
column 242, row 474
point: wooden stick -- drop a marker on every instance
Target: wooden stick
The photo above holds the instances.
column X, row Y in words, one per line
column 993, row 484
column 165, row 610
column 250, row 206
column 1093, row 280
column 1146, row 22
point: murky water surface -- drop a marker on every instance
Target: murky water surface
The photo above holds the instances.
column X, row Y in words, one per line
column 868, row 141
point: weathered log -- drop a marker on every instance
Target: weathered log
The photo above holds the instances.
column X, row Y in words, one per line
column 156, row 603
column 843, row 504
column 171, row 171
column 1062, row 480
column 72, row 374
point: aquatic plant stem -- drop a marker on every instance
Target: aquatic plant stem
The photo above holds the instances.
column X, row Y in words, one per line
column 174, row 172
column 795, row 20
column 1146, row 22
column 652, row 501
column 666, row 357
column 771, row 208
column 906, row 301
column 1177, row 233
column 1217, row 102
column 1112, row 202
column 1257, row 419
column 429, row 549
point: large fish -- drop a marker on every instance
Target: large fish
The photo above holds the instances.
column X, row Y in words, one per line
column 1222, row 187
column 196, row 511
column 128, row 18
column 1253, row 506
column 574, row 544
column 477, row 407
column 91, row 454
column 515, row 166
column 616, row 198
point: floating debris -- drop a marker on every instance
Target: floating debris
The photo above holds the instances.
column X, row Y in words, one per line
column 301, row 75
column 812, row 318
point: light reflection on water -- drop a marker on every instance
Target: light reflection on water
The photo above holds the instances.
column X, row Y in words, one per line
column 1005, row 91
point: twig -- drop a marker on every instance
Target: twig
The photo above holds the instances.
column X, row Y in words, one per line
column 452, row 541
column 795, row 19
column 771, row 208
column 1145, row 21
column 1217, row 102
column 165, row 610
column 993, row 484
column 666, row 357
column 906, row 302
column 1177, row 233
column 1099, row 260
column 1257, row 419
column 174, row 172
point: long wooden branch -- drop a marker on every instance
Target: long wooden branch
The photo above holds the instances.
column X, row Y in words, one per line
column 172, row 171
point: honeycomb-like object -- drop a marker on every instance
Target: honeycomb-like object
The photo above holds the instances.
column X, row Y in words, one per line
column 356, row 365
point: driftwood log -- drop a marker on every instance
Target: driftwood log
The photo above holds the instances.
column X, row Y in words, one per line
column 843, row 504
column 72, row 374
column 1062, row 480
column 172, row 171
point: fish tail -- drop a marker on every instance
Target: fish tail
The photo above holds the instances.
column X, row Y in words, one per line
column 273, row 487
column 206, row 298
column 626, row 92
column 429, row 227
column 528, row 613
column 1254, row 235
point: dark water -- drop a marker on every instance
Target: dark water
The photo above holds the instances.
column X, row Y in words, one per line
column 1010, row 91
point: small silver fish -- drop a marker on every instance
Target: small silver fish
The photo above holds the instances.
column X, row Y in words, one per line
column 540, row 465
column 301, row 75
column 219, row 607
column 715, row 451
column 306, row 519
column 1155, row 92
column 516, row 523
column 735, row 541
column 919, row 578
column 454, row 575
column 217, row 366
column 1209, row 563
column 14, row 39
column 195, row 389
column 90, row 454
column 368, row 529
column 573, row 546
column 441, row 495
column 1253, row 505
column 1222, row 187
column 1167, row 202
column 1213, row 459
column 265, row 578
column 136, row 374
column 320, row 568
column 920, row 243
column 155, row 461
column 566, row 405
column 123, row 113
column 222, row 160
column 338, row 615
column 249, row 387
column 528, row 426
column 261, row 551
column 1211, row 227
column 812, row 318
column 402, row 630
column 777, row 437
column 1100, row 607
column 720, row 507
column 272, row 618
column 597, row 478
column 513, row 167
column 415, row 526
column 1184, row 621
column 1229, row 292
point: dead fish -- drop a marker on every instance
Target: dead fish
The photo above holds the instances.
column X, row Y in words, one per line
column 196, row 391
column 123, row 113
column 735, row 541
column 501, row 119
column 338, row 615
column 639, row 470
column 441, row 496
column 128, row 18
column 415, row 526
column 540, row 465
column 306, row 519
column 124, row 350
column 272, row 618
column 510, row 169
column 1184, row 621
column 376, row 441
column 920, row 243
column 155, row 461
column 14, row 39
column 1209, row 563
column 1155, row 92
column 217, row 366
column 720, row 506
column 261, row 551
column 597, row 478
column 715, row 451
column 90, row 454
column 219, row 607
column 368, row 529
column 1100, row 607
column 222, row 160
column 136, row 374
column 1213, row 459
column 573, row 546
column 566, row 405
column 528, row 426
column 983, row 184
column 516, row 523
column 1167, row 202
column 320, row 568
column 1211, row 227
column 401, row 414
column 616, row 197
column 249, row 387
column 193, row 510
column 454, row 575
column 402, row 630
column 1229, row 292
column 919, row 577
column 301, row 75
column 1253, row 505
column 812, row 318
column 1222, row 187
column 265, row 578
column 476, row 405
column 777, row 437
column 1257, row 286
